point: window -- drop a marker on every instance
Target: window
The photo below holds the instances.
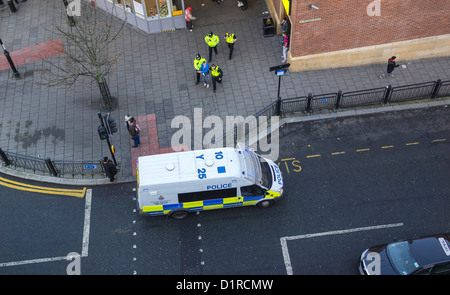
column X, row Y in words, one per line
column 164, row 8
column 138, row 8
column 207, row 195
column 129, row 6
column 441, row 269
column 252, row 191
column 152, row 11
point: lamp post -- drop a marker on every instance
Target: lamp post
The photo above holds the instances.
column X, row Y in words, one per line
column 11, row 64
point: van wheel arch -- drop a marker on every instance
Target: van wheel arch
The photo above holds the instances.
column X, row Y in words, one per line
column 265, row 203
column 179, row 214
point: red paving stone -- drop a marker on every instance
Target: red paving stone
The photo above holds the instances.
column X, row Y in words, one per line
column 149, row 140
column 32, row 53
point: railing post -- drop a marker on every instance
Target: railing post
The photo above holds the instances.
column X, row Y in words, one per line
column 437, row 86
column 387, row 94
column 308, row 103
column 4, row 158
column 338, row 99
column 51, row 167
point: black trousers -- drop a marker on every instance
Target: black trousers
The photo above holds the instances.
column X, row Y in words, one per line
column 231, row 46
column 198, row 77
column 214, row 80
column 210, row 52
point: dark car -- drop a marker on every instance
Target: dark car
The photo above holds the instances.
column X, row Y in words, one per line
column 428, row 255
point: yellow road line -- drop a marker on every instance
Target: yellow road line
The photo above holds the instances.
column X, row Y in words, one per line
column 337, row 153
column 387, row 147
column 439, row 140
column 79, row 193
column 314, row 156
column 363, row 150
column 288, row 159
column 413, row 143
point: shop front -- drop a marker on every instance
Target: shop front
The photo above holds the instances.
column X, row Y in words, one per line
column 151, row 16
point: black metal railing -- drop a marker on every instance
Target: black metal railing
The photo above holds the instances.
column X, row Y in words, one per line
column 341, row 100
column 55, row 168
column 376, row 96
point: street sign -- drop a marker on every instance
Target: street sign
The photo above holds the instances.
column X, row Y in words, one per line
column 90, row 166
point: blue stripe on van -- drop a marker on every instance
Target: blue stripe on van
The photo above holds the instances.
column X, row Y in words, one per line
column 212, row 202
column 170, row 206
column 246, row 199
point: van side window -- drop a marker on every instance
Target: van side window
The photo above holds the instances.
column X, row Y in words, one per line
column 252, row 191
column 207, row 195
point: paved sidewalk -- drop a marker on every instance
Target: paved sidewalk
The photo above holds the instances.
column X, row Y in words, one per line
column 155, row 78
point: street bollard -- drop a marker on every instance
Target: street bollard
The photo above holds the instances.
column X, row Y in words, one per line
column 11, row 5
column 11, row 64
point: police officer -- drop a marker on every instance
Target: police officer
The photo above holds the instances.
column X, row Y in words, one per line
column 198, row 61
column 217, row 75
column 212, row 41
column 231, row 39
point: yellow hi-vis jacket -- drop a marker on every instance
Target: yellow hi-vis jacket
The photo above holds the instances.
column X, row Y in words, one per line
column 212, row 41
column 198, row 63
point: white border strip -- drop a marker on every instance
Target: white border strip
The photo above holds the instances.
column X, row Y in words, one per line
column 284, row 248
column 85, row 245
column 87, row 223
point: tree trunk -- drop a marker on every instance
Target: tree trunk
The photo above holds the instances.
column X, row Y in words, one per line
column 108, row 102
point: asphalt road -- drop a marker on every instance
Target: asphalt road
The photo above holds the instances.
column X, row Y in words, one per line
column 350, row 184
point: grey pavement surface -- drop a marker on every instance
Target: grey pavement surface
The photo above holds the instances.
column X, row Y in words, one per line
column 155, row 76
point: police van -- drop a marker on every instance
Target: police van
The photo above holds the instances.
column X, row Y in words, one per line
column 175, row 184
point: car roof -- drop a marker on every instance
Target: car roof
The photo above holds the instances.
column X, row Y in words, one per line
column 431, row 249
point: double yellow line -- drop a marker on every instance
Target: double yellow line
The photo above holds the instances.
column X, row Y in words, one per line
column 79, row 193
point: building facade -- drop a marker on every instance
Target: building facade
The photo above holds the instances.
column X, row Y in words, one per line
column 344, row 33
column 151, row 16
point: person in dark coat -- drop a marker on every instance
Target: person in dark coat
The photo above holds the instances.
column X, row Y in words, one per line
column 390, row 68
column 110, row 168
column 134, row 129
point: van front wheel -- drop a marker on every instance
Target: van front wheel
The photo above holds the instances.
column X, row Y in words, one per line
column 265, row 203
column 180, row 214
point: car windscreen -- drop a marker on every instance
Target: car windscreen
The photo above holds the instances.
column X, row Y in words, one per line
column 266, row 176
column 401, row 257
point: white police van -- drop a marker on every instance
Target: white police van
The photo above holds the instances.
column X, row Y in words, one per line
column 175, row 184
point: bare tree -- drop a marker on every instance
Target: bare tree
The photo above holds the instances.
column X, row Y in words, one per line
column 87, row 51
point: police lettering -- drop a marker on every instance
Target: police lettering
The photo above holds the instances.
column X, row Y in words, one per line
column 218, row 186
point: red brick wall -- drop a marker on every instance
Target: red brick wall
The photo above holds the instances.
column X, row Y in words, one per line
column 345, row 23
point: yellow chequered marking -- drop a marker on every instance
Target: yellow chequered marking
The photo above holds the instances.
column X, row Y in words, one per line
column 152, row 208
column 79, row 193
column 193, row 204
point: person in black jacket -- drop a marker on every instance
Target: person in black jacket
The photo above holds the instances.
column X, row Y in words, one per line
column 110, row 168
column 390, row 68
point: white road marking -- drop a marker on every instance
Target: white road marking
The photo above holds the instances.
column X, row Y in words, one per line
column 284, row 248
column 87, row 223
column 85, row 245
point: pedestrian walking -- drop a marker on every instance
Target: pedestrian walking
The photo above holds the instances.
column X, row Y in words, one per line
column 390, row 68
column 198, row 61
column 231, row 39
column 189, row 18
column 285, row 46
column 110, row 168
column 204, row 70
column 242, row 4
column 284, row 25
column 212, row 41
column 134, row 129
column 217, row 75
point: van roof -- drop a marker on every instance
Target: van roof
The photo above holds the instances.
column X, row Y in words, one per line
column 189, row 166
